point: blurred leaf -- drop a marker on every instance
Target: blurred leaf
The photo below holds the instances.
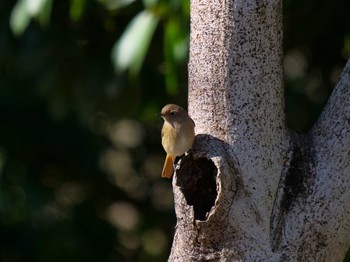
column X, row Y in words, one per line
column 186, row 8
column 176, row 40
column 25, row 10
column 45, row 12
column 115, row 4
column 170, row 36
column 175, row 51
column 130, row 50
column 149, row 3
column 171, row 80
column 20, row 17
column 76, row 9
column 181, row 49
column 34, row 7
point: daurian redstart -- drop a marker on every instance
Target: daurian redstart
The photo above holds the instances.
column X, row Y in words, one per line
column 177, row 135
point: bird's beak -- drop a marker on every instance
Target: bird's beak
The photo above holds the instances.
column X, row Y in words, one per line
column 159, row 114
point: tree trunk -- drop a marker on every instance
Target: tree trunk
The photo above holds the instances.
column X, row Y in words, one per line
column 250, row 190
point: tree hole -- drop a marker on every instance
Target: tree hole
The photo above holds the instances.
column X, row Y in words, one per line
column 197, row 181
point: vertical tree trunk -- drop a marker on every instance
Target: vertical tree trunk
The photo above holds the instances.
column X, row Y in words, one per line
column 249, row 190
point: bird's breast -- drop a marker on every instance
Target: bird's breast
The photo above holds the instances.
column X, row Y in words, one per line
column 177, row 138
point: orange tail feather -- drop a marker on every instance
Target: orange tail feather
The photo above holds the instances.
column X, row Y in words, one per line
column 168, row 168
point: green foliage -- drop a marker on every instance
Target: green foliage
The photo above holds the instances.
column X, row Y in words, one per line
column 80, row 153
column 130, row 50
column 25, row 10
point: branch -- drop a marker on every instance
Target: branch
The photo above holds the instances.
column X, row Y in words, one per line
column 331, row 134
column 315, row 223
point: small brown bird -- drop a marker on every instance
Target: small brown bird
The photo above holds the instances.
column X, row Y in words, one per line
column 177, row 135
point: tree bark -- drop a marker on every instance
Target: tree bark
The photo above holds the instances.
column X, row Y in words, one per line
column 250, row 190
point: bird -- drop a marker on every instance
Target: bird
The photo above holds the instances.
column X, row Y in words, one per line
column 177, row 135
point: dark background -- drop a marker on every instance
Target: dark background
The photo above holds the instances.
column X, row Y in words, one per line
column 80, row 152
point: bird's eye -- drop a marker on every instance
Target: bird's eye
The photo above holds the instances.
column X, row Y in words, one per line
column 172, row 113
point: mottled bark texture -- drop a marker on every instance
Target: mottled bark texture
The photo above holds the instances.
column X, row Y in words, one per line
column 250, row 190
